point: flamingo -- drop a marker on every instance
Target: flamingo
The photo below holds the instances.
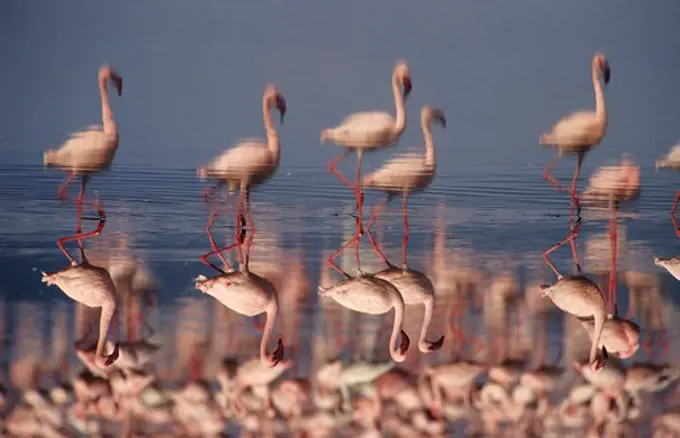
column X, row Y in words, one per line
column 92, row 150
column 93, row 287
column 249, row 163
column 672, row 161
column 375, row 296
column 405, row 174
column 415, row 288
column 581, row 297
column 579, row 132
column 248, row 294
column 368, row 131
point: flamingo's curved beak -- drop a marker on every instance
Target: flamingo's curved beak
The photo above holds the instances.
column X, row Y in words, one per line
column 281, row 106
column 606, row 70
column 118, row 82
column 406, row 82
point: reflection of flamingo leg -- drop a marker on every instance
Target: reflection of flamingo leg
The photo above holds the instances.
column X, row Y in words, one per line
column 239, row 218
column 340, row 251
column 575, row 203
column 250, row 223
column 404, row 241
column 613, row 240
column 213, row 244
column 571, row 236
column 456, row 326
column 81, row 235
column 377, row 209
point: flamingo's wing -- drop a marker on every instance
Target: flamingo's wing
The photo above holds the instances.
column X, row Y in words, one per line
column 246, row 157
column 401, row 171
column 575, row 128
column 368, row 121
column 86, row 149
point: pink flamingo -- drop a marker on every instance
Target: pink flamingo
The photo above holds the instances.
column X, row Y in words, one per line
column 92, row 150
column 368, row 131
column 250, row 163
column 577, row 133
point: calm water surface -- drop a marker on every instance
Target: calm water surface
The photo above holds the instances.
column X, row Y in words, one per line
column 194, row 76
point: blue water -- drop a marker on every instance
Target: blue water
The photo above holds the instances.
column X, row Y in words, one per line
column 193, row 80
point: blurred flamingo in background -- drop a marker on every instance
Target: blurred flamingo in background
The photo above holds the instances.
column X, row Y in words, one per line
column 368, row 131
column 577, row 133
column 250, row 163
column 92, row 150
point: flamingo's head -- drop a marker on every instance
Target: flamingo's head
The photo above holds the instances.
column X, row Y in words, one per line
column 107, row 72
column 273, row 97
column 203, row 283
column 403, row 76
column 433, row 114
column 602, row 64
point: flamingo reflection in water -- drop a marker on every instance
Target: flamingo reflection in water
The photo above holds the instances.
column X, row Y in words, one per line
column 250, row 163
column 92, row 150
column 92, row 286
column 368, row 131
column 577, row 133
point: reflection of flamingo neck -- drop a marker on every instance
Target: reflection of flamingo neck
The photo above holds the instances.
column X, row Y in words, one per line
column 423, row 345
column 430, row 158
column 271, row 311
column 395, row 351
column 400, row 124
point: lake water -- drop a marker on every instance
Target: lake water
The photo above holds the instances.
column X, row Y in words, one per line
column 193, row 81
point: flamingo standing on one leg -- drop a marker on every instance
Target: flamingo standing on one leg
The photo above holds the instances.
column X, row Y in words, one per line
column 367, row 131
column 577, row 133
column 92, row 150
column 405, row 174
column 251, row 162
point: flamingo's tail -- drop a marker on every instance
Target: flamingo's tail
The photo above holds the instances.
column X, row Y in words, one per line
column 50, row 158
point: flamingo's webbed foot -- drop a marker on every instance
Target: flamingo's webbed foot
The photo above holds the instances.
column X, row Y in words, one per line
column 405, row 343
column 436, row 345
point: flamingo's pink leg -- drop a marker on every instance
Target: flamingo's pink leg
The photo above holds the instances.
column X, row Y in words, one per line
column 239, row 219
column 360, row 204
column 377, row 209
column 334, row 163
column 62, row 188
column 79, row 236
column 574, row 202
column 675, row 222
column 340, row 251
column 613, row 240
column 572, row 235
column 251, row 223
column 547, row 173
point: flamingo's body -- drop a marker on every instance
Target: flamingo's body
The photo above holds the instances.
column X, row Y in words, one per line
column 671, row 160
column 368, row 294
column 582, row 298
column 671, row 264
column 249, row 163
column 619, row 336
column 249, row 295
column 415, row 288
column 92, row 286
column 93, row 149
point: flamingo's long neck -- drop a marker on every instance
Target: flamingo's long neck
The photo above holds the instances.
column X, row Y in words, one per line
column 600, row 106
column 427, row 319
column 400, row 125
column 272, row 311
column 273, row 141
column 430, row 158
column 396, row 354
column 107, row 115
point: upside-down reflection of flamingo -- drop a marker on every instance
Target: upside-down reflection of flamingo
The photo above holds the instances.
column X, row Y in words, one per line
column 672, row 161
column 577, row 133
column 375, row 296
column 92, row 150
column 580, row 297
column 405, row 174
column 250, row 163
column 93, row 287
column 367, row 131
column 248, row 294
